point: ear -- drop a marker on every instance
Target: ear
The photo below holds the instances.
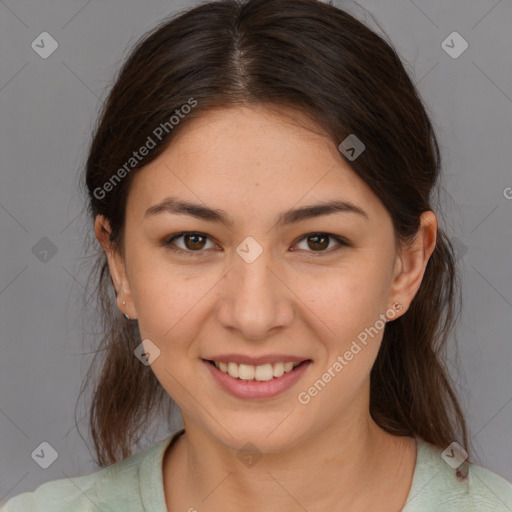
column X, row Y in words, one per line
column 411, row 261
column 116, row 266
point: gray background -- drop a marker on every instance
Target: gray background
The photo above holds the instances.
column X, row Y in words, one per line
column 48, row 107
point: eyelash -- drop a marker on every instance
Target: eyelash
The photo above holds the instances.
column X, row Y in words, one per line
column 168, row 243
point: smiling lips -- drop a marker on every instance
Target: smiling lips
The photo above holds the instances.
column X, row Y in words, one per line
column 254, row 377
column 262, row 380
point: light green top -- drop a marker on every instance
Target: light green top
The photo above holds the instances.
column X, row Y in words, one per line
column 135, row 484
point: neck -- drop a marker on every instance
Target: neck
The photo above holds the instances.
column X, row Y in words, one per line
column 331, row 469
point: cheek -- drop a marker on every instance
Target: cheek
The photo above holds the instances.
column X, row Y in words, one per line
column 169, row 300
column 345, row 299
column 345, row 309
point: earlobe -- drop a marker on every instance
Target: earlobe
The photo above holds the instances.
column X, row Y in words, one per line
column 116, row 266
column 413, row 260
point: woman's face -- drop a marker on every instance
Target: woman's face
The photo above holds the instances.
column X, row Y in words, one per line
column 262, row 284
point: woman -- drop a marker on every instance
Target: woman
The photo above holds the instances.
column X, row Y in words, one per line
column 261, row 183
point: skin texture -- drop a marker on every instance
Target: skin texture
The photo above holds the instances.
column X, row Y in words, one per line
column 296, row 298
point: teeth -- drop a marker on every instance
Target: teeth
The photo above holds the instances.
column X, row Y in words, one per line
column 246, row 371
column 232, row 369
column 262, row 372
column 278, row 369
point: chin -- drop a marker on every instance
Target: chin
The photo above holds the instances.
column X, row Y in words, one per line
column 274, row 438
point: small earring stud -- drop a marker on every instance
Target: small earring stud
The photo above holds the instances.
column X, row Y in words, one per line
column 398, row 306
column 127, row 317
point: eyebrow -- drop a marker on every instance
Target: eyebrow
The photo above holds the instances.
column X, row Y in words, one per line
column 199, row 211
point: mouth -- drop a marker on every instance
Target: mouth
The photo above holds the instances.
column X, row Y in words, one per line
column 263, row 381
column 261, row 373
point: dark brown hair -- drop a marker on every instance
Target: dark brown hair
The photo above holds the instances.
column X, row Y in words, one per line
column 318, row 59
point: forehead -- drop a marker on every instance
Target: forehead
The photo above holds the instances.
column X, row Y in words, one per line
column 252, row 159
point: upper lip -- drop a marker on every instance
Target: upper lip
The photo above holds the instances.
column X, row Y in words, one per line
column 256, row 361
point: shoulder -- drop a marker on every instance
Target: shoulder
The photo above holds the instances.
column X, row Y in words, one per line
column 466, row 488
column 112, row 488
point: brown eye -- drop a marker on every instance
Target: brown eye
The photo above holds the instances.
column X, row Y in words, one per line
column 192, row 242
column 319, row 242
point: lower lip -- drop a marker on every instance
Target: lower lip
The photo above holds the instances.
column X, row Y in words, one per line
column 255, row 388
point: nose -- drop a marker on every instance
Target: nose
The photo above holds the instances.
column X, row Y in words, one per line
column 255, row 298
